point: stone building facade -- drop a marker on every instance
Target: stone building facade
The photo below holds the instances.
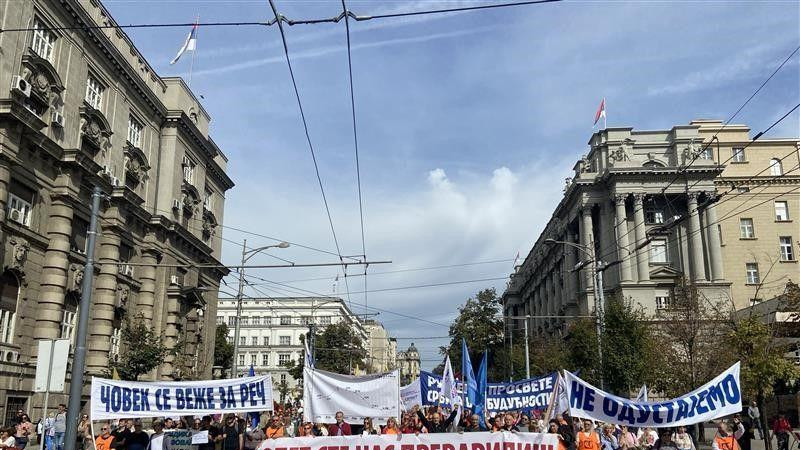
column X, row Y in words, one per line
column 618, row 207
column 409, row 364
column 81, row 108
column 758, row 211
column 382, row 348
column 270, row 331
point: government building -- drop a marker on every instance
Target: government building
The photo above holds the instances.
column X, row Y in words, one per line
column 648, row 209
column 81, row 108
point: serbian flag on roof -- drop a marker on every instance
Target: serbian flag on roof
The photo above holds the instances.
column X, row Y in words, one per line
column 601, row 111
column 188, row 44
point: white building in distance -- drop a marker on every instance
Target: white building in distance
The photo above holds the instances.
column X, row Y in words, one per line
column 271, row 329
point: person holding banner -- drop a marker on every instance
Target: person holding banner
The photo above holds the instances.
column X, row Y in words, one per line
column 391, row 426
column 553, row 429
column 435, row 424
column 368, row 428
column 588, row 439
column 275, row 428
column 340, row 428
column 232, row 438
column 105, row 440
column 627, row 440
column 607, row 440
column 157, row 438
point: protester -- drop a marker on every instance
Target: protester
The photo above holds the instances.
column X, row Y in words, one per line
column 22, row 431
column 275, row 428
column 755, row 417
column 782, row 430
column 648, row 438
column 391, row 427
column 627, row 440
column 60, row 426
column 158, row 432
column 121, row 434
column 607, row 439
column 7, row 438
column 508, row 423
column 368, row 428
column 305, row 429
column 320, row 429
column 340, row 428
column 48, row 428
column 588, row 439
column 473, row 425
column 665, row 442
column 105, row 440
column 85, row 437
column 138, row 439
column 232, row 438
column 744, row 433
column 169, row 423
column 254, row 438
column 435, row 424
column 566, row 431
column 214, row 433
column 553, row 429
column 683, row 440
column 496, row 424
column 724, row 439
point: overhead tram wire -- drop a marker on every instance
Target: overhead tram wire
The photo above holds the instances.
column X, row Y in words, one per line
column 308, row 139
column 282, row 19
column 355, row 144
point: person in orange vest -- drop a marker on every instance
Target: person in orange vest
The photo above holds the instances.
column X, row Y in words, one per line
column 724, row 439
column 588, row 439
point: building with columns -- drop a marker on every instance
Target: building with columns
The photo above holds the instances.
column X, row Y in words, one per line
column 81, row 108
column 636, row 204
column 409, row 364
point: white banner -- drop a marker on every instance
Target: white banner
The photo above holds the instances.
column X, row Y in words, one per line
column 436, row 441
column 411, row 395
column 717, row 398
column 376, row 396
column 116, row 399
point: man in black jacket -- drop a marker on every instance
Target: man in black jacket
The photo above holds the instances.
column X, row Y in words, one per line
column 435, row 425
column 566, row 431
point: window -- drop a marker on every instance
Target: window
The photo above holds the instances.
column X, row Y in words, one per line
column 244, row 320
column 285, row 340
column 662, row 302
column 658, row 251
column 746, row 230
column 220, row 320
column 188, row 169
column 266, row 341
column 231, row 321
column 43, row 40
column 208, row 201
column 787, row 251
column 77, row 242
column 68, row 318
column 265, row 359
column 135, row 132
column 241, row 360
column 752, row 273
column 116, row 335
column 9, row 293
column 20, row 204
column 94, row 92
column 283, row 378
column 706, row 152
column 125, row 256
column 286, row 320
column 242, row 340
column 253, row 359
column 775, row 167
column 283, row 358
column 256, row 320
column 305, row 320
column 654, row 216
column 254, row 340
column 737, row 154
column 267, row 320
column 781, row 211
column 742, row 189
column 325, row 320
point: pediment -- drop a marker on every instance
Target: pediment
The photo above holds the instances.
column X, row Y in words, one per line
column 665, row 272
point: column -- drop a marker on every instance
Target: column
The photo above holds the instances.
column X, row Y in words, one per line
column 714, row 243
column 50, row 307
column 147, row 276
column 101, row 326
column 171, row 337
column 571, row 277
column 642, row 255
column 621, row 218
column 5, row 179
column 587, row 243
column 696, row 240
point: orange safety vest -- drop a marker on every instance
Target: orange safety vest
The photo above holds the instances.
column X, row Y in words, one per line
column 102, row 443
column 726, row 443
column 588, row 442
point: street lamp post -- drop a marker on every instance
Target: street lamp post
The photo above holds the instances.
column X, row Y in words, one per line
column 599, row 300
column 311, row 328
column 246, row 255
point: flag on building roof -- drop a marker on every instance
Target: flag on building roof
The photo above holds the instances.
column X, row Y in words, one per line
column 189, row 44
column 601, row 112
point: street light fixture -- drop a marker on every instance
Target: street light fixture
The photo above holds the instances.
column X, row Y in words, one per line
column 246, row 255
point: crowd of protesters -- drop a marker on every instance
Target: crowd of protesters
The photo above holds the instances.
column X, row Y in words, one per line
column 244, row 432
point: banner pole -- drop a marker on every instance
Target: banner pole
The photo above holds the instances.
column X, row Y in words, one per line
column 550, row 407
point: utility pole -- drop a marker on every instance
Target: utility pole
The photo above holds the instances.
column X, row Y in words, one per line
column 599, row 302
column 527, row 358
column 238, row 326
column 79, row 358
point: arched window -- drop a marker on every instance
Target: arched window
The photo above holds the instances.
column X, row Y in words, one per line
column 9, row 293
column 69, row 316
column 775, row 167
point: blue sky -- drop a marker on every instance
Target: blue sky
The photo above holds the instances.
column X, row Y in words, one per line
column 468, row 122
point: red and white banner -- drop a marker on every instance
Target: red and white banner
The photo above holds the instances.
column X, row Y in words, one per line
column 440, row 441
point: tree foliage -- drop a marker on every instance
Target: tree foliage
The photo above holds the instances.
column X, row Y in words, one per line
column 337, row 349
column 141, row 350
column 223, row 350
column 581, row 350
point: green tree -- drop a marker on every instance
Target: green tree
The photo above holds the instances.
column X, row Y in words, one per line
column 141, row 350
column 582, row 351
column 628, row 347
column 223, row 350
column 337, row 349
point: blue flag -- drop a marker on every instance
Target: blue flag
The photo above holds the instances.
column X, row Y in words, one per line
column 480, row 391
column 255, row 417
column 467, row 374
